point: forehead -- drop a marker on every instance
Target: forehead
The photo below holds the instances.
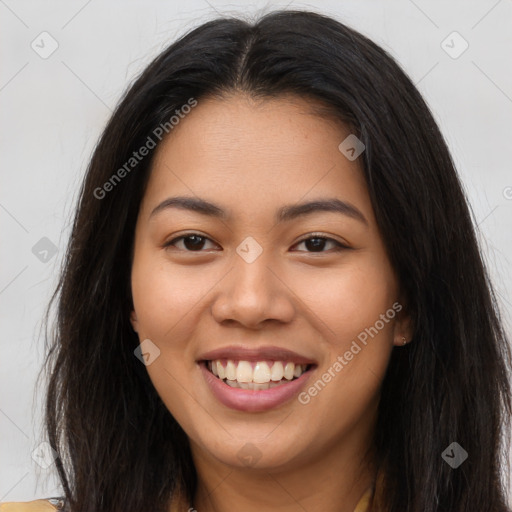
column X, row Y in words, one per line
column 245, row 151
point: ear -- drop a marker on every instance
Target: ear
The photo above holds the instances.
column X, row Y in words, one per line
column 403, row 331
column 133, row 321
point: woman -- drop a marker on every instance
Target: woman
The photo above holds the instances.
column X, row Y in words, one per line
column 273, row 284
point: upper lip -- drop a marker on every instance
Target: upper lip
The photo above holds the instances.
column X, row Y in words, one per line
column 241, row 353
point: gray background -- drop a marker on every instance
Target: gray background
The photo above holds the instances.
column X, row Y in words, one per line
column 54, row 108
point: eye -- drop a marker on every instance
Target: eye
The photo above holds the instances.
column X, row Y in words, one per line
column 317, row 243
column 193, row 242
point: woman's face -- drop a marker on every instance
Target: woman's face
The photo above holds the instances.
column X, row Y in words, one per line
column 297, row 304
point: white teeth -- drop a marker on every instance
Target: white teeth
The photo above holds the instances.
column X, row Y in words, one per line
column 220, row 370
column 288, row 371
column 230, row 370
column 263, row 373
column 277, row 372
column 244, row 372
column 252, row 385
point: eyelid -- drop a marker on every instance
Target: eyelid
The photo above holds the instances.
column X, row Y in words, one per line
column 324, row 236
column 186, row 235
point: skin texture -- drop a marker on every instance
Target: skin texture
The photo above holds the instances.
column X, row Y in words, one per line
column 251, row 158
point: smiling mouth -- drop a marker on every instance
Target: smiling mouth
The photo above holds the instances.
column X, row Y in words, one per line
column 254, row 375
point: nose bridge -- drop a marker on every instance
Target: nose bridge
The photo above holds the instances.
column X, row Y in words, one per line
column 252, row 279
column 253, row 293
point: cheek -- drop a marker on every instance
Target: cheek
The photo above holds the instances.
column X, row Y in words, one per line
column 163, row 296
column 347, row 300
column 350, row 305
column 164, row 300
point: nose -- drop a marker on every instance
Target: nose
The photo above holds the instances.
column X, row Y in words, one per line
column 252, row 295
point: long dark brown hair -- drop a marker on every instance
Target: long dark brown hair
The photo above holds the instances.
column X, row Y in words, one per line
column 119, row 447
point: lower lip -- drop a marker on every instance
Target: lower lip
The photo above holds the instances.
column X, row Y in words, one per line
column 252, row 400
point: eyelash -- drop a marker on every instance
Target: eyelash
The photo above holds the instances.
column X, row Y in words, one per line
column 318, row 236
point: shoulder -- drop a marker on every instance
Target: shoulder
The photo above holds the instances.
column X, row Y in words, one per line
column 29, row 506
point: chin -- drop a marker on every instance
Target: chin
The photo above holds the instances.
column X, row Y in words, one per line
column 257, row 449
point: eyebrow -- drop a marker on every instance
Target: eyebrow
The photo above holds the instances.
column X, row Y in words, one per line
column 283, row 214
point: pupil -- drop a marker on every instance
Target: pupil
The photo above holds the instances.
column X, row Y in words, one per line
column 197, row 243
column 318, row 245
